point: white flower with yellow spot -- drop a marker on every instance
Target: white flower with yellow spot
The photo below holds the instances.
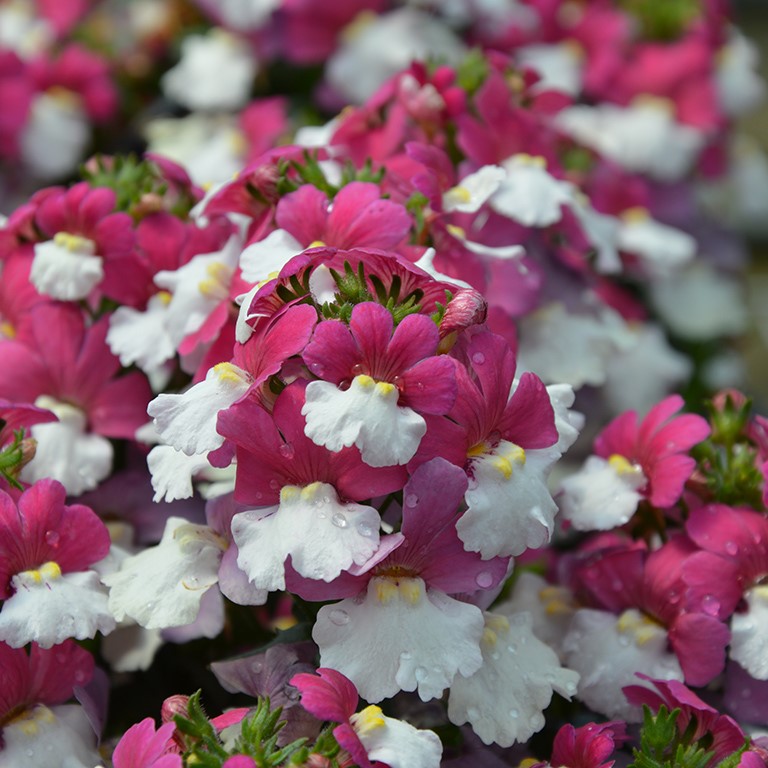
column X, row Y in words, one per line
column 366, row 415
column 419, row 638
column 67, row 267
column 188, row 421
column 49, row 606
column 509, row 507
column 607, row 651
column 322, row 535
column 504, row 701
column 529, row 194
column 473, row 191
column 603, row 494
column 163, row 585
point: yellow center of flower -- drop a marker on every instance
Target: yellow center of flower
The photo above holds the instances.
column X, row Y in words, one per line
column 49, row 571
column 216, row 285
column 75, row 244
column 368, row 719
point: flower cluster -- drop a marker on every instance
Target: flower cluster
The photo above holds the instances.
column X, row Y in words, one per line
column 288, row 393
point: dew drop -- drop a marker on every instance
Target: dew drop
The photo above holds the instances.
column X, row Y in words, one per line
column 52, row 538
column 473, row 713
column 274, row 485
column 411, row 500
column 286, row 451
column 256, row 667
column 339, row 520
column 478, row 358
column 731, row 548
column 317, row 369
column 484, row 579
column 357, row 369
column 512, row 649
column 570, row 687
column 514, row 714
column 365, row 530
column 710, row 605
column 149, row 606
column 338, row 617
column 421, row 674
column 79, row 676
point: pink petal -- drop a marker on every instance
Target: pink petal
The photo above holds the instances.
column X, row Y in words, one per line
column 329, row 695
column 430, row 386
column 303, row 214
column 529, row 420
column 699, row 642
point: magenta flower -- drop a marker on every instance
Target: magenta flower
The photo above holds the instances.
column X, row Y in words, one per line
column 589, row 746
column 46, row 552
column 376, row 383
column 658, row 445
column 143, row 747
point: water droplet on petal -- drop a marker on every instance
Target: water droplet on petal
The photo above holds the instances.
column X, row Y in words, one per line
column 274, row 485
column 731, row 548
column 52, row 538
column 512, row 649
column 338, row 617
column 339, row 520
column 710, row 605
column 365, row 530
column 411, row 500
column 478, row 358
column 286, row 451
column 484, row 579
column 256, row 667
column 514, row 714
column 473, row 713
column 357, row 369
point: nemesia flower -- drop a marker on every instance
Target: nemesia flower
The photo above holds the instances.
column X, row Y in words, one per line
column 143, row 747
column 306, row 497
column 51, row 592
column 66, row 367
column 634, row 460
column 393, row 376
column 368, row 735
column 36, row 722
column 398, row 609
column 503, row 438
column 589, row 746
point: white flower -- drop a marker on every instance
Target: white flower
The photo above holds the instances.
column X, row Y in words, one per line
column 163, row 585
column 567, row 422
column 400, row 636
column 572, row 348
column 607, row 650
column 322, row 535
column 188, row 421
column 366, row 415
column 602, row 494
column 66, row 267
column 48, row 607
column 216, row 72
column 172, row 472
column 78, row 459
column 56, row 134
column 509, row 507
column 699, row 303
column 559, row 65
column 662, row 249
column 504, row 701
column 367, row 57
column 739, row 86
column 472, row 192
column 262, row 259
column 530, row 195
column 603, row 233
column 642, row 137
column 749, row 643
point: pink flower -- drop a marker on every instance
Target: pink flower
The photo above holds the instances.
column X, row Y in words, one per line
column 590, row 746
column 658, row 445
column 143, row 747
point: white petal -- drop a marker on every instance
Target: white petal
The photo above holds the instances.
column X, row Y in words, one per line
column 172, row 472
column 163, row 585
column 662, row 249
column 131, row 647
column 216, row 72
column 394, row 742
column 65, row 452
column 65, row 273
column 49, row 607
column 739, row 86
column 603, row 233
column 530, row 195
column 365, row 415
column 188, row 421
column 567, row 422
column 510, row 508
column 426, row 262
column 141, row 337
column 607, row 650
column 260, row 260
column 749, row 640
column 505, row 699
column 323, row 536
column 600, row 496
column 60, row 737
column 400, row 637
column 559, row 65
column 471, row 193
